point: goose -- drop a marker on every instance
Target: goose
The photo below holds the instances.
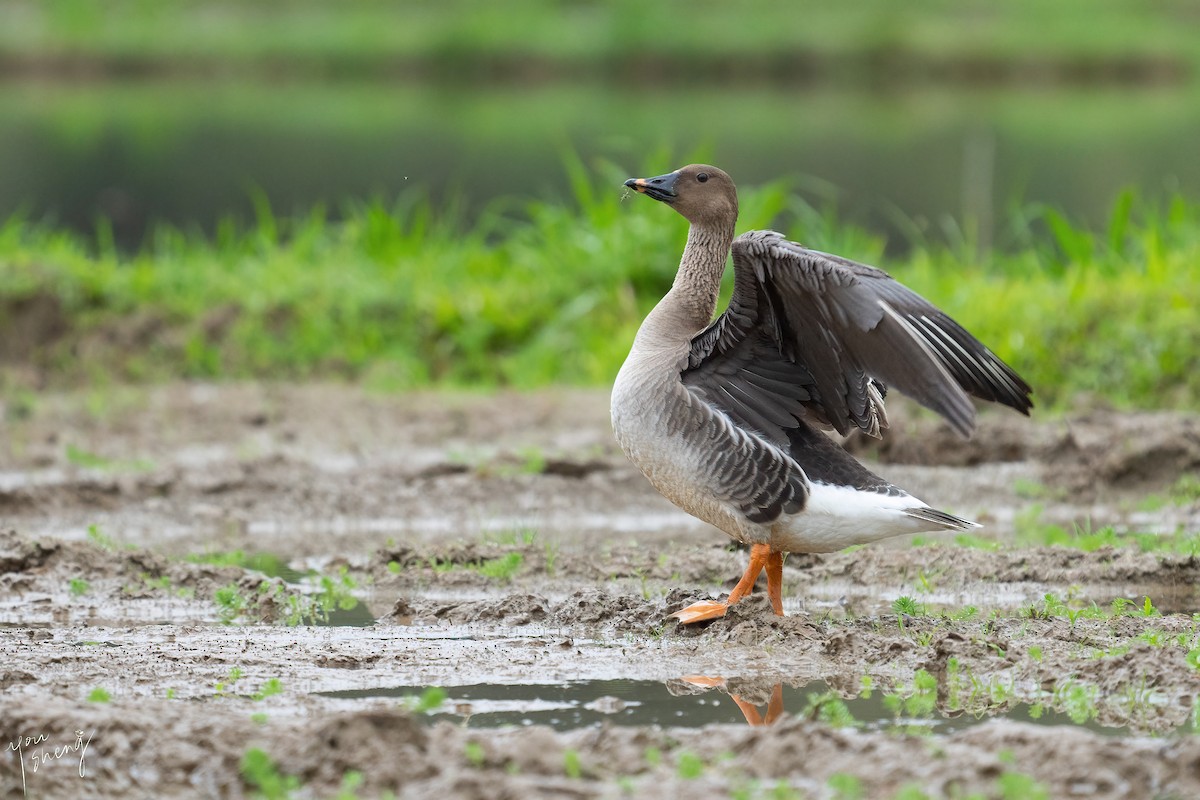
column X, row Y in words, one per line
column 725, row 417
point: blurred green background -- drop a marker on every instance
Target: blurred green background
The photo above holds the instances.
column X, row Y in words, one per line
column 164, row 159
column 175, row 109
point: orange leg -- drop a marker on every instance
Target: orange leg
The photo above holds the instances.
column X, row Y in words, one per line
column 748, row 711
column 775, row 581
column 774, row 707
column 761, row 558
column 753, row 717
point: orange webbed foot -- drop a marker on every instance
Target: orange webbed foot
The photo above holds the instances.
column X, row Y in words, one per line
column 701, row 611
column 761, row 557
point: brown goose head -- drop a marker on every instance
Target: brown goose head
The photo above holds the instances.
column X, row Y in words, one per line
column 703, row 194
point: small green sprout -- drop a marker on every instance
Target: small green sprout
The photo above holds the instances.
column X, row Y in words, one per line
column 259, row 771
column 231, row 604
column 270, row 687
column 100, row 539
column 905, row 606
column 350, row 783
column 846, row 786
column 430, row 700
column 689, row 766
column 503, row 568
column 572, row 767
column 475, row 754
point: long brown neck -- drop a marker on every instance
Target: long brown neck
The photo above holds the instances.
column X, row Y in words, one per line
column 698, row 281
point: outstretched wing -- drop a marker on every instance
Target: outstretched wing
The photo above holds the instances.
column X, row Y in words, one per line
column 808, row 334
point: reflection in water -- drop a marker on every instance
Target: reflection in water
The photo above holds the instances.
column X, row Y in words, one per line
column 694, row 701
column 748, row 709
column 355, row 615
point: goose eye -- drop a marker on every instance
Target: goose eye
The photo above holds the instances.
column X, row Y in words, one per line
column 702, row 177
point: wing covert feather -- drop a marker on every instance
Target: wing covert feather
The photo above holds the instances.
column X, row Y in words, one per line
column 816, row 336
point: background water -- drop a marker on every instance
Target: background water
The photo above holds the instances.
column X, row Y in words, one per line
column 922, row 117
column 192, row 152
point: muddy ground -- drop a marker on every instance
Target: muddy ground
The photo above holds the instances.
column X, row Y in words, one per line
column 500, row 547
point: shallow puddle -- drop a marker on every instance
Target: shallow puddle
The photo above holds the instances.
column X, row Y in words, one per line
column 356, row 616
column 689, row 702
column 449, row 524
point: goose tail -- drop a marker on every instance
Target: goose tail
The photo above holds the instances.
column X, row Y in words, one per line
column 941, row 518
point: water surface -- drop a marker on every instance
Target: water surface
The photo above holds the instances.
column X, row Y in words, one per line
column 908, row 162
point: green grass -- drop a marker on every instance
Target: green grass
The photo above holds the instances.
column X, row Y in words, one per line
column 270, row 687
column 333, row 594
column 260, row 772
column 1088, row 540
column 1186, row 489
column 430, row 700
column 501, row 569
column 906, row 606
column 220, row 687
column 87, row 460
column 689, row 766
column 267, row 563
column 831, row 709
column 230, row 603
column 548, row 293
column 1032, row 532
column 917, row 700
column 572, row 765
column 846, row 786
column 474, row 754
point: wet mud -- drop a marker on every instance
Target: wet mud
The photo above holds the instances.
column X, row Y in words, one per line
column 469, row 596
